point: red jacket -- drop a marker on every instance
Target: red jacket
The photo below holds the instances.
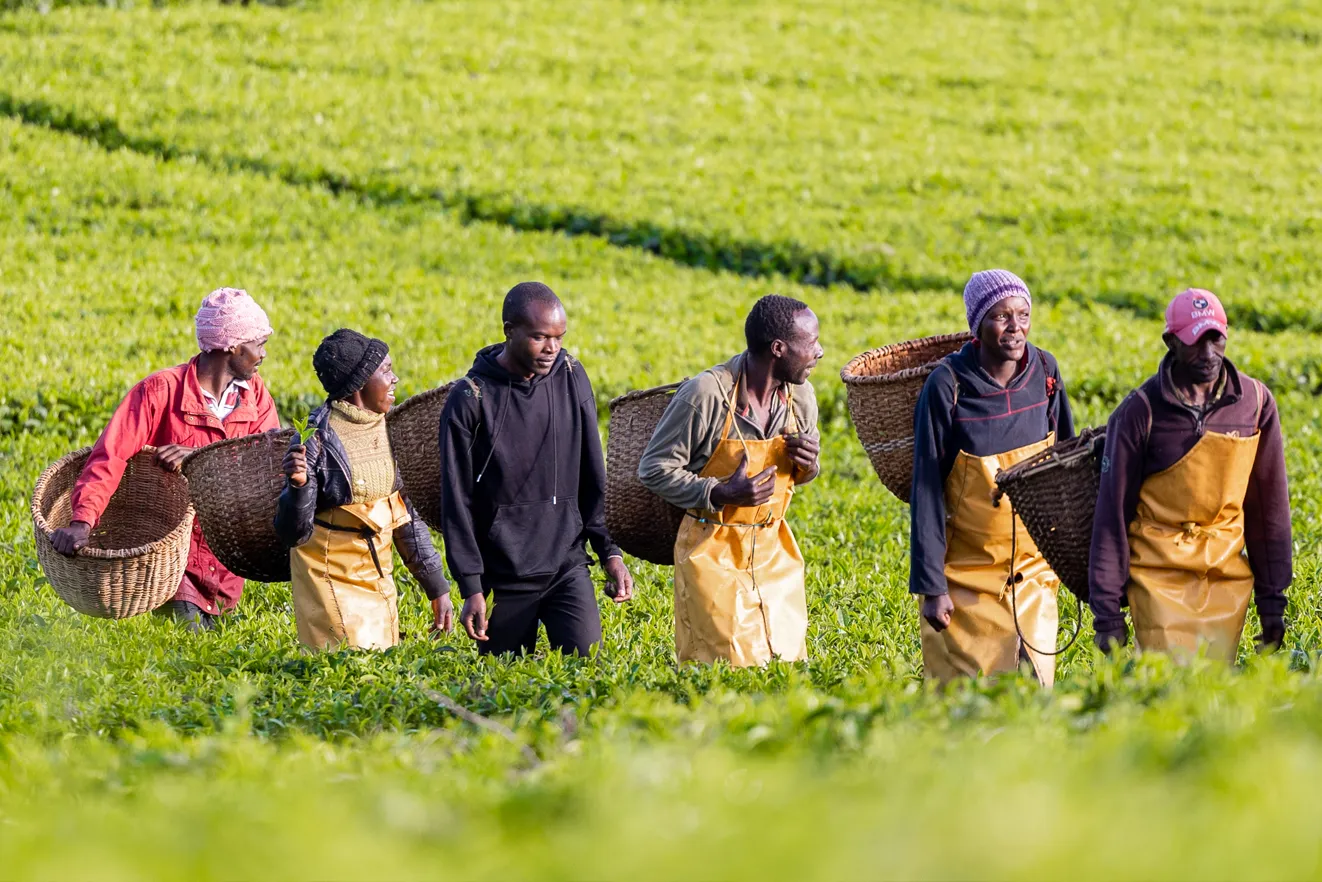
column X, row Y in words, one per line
column 168, row 408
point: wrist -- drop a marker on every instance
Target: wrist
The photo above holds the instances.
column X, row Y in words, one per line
column 470, row 585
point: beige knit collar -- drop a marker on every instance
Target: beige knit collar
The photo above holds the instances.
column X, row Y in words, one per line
column 355, row 414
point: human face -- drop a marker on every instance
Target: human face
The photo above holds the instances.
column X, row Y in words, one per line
column 1201, row 362
column 1004, row 329
column 795, row 358
column 246, row 358
column 378, row 393
column 531, row 346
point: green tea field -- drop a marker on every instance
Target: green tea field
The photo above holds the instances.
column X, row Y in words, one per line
column 396, row 166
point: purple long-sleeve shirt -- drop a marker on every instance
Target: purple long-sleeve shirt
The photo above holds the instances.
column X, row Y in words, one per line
column 1134, row 451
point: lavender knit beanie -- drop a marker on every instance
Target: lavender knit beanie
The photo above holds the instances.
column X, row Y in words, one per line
column 988, row 288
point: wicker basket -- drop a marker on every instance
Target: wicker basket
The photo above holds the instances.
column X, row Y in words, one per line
column 882, row 388
column 415, row 439
column 1054, row 494
column 643, row 524
column 235, row 485
column 135, row 557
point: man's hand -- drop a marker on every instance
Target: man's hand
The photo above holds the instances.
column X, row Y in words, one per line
column 67, row 540
column 442, row 612
column 1273, row 633
column 739, row 489
column 619, row 583
column 171, row 457
column 803, row 450
column 474, row 617
column 936, row 609
column 295, row 465
column 1110, row 641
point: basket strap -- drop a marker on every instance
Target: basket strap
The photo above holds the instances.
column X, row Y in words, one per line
column 1143, row 396
column 1257, row 413
column 954, row 378
column 1051, row 384
column 477, row 396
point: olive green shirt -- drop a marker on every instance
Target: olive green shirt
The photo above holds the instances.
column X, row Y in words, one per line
column 689, row 430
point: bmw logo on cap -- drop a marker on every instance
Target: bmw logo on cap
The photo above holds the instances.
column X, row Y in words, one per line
column 1200, row 303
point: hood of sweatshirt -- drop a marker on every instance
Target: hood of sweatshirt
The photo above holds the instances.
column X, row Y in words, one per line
column 993, row 416
column 974, row 380
column 487, row 366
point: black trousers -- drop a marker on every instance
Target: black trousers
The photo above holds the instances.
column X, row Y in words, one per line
column 566, row 605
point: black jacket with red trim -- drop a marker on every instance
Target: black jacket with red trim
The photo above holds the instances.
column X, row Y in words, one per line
column 984, row 419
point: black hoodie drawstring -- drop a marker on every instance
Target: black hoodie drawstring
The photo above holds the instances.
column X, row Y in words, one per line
column 500, row 424
column 555, row 449
column 555, row 434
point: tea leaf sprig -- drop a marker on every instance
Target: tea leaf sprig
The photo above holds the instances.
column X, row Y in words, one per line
column 305, row 432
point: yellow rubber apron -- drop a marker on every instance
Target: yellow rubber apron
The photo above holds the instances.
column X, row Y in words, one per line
column 1189, row 582
column 344, row 592
column 739, row 586
column 982, row 638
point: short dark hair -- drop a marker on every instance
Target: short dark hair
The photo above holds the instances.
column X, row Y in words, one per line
column 522, row 296
column 771, row 319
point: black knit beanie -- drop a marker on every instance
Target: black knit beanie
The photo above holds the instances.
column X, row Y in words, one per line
column 346, row 360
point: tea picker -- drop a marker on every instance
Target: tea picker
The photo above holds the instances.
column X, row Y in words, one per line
column 524, row 487
column 343, row 510
column 1193, row 509
column 995, row 402
column 215, row 396
column 730, row 448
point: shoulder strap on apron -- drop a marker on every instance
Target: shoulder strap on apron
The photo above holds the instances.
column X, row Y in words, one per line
column 791, row 419
column 730, row 422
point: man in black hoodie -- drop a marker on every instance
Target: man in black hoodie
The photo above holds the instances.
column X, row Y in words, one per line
column 524, row 487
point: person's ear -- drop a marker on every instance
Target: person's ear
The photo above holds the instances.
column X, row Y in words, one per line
column 509, row 328
column 778, row 348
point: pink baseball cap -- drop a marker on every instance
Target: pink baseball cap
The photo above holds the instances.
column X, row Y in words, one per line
column 1193, row 313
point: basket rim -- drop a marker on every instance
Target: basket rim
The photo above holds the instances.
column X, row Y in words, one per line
column 421, row 398
column 639, row 394
column 233, row 442
column 853, row 379
column 1069, row 453
column 42, row 525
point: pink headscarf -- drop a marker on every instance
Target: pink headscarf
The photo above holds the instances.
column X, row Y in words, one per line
column 229, row 317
